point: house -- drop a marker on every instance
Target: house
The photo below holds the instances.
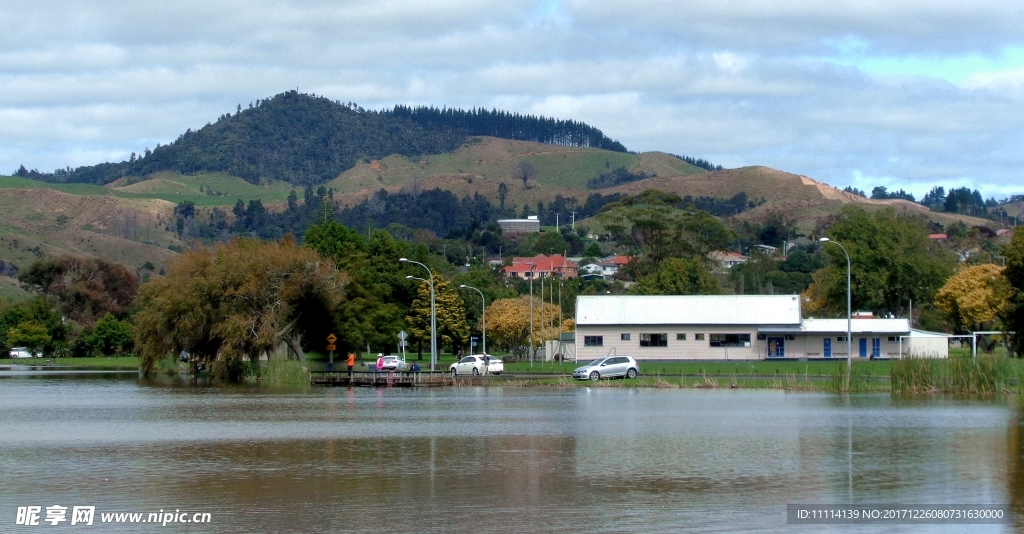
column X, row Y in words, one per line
column 733, row 327
column 606, row 268
column 727, row 260
column 541, row 265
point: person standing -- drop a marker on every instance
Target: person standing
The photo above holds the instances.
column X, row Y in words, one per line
column 380, row 362
column 351, row 363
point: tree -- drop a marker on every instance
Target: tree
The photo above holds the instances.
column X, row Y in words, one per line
column 678, row 276
column 450, row 313
column 524, row 171
column 650, row 227
column 112, row 336
column 502, row 194
column 508, row 323
column 893, row 262
column 1013, row 314
column 85, row 288
column 242, row 299
column 31, row 334
column 973, row 297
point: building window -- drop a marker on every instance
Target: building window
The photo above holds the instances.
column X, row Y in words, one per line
column 624, row 337
column 680, row 337
column 762, row 337
column 790, row 337
column 841, row 339
column 892, row 339
column 729, row 340
column 698, row 337
column 653, row 340
column 593, row 341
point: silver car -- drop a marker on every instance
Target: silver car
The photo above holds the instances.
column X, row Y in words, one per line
column 608, row 367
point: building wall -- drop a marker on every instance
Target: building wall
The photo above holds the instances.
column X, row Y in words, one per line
column 813, row 345
column 689, row 349
column 926, row 347
column 794, row 346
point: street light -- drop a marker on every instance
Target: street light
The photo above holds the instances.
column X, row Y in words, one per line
column 849, row 315
column 483, row 314
column 533, row 271
column 433, row 312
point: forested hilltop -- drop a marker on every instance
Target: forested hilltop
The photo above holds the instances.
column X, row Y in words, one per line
column 307, row 139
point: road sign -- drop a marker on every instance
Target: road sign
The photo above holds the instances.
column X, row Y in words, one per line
column 402, row 335
column 330, row 347
column 331, row 338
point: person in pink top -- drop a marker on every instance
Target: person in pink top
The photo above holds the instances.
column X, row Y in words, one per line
column 380, row 362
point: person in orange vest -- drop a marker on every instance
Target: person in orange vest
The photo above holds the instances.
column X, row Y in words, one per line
column 351, row 363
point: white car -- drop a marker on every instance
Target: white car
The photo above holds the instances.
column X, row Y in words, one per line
column 394, row 363
column 624, row 366
column 22, row 352
column 477, row 364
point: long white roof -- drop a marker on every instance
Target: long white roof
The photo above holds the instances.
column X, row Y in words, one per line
column 688, row 309
column 838, row 326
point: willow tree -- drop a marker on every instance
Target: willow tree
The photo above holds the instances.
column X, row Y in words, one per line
column 242, row 299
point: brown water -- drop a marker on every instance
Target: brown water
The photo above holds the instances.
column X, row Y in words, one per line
column 491, row 459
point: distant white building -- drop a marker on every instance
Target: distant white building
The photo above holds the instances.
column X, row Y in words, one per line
column 728, row 327
column 531, row 224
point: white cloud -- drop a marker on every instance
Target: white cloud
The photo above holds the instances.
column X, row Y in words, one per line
column 910, row 93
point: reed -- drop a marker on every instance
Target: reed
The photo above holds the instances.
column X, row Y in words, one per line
column 279, row 372
column 982, row 375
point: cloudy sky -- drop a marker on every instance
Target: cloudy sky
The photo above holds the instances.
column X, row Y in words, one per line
column 905, row 94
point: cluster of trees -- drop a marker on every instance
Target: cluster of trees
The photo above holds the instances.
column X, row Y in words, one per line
column 616, row 177
column 82, row 308
column 306, row 140
column 507, row 125
column 697, row 162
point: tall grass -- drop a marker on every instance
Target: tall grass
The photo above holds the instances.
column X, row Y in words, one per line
column 285, row 372
column 860, row 380
column 984, row 374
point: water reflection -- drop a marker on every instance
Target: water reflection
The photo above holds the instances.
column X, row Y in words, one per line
column 495, row 459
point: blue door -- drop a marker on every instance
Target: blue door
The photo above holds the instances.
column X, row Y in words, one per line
column 876, row 347
column 863, row 347
column 828, row 347
column 776, row 347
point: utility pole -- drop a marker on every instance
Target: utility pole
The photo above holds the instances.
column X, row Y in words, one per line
column 573, row 220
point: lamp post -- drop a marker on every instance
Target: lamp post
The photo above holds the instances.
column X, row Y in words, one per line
column 483, row 314
column 433, row 312
column 533, row 271
column 849, row 315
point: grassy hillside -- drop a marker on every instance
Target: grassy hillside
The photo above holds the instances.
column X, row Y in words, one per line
column 44, row 221
column 224, row 190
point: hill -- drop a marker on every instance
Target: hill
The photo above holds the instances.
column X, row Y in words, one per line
column 306, row 140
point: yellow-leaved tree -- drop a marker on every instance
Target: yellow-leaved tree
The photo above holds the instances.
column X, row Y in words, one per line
column 973, row 298
column 508, row 324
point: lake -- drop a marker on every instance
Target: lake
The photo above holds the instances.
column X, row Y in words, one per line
column 490, row 459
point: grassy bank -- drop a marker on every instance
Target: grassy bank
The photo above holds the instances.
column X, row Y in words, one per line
column 100, row 363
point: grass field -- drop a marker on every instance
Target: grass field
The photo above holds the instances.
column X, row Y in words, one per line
column 100, row 363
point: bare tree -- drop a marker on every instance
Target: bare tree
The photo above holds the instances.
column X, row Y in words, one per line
column 525, row 171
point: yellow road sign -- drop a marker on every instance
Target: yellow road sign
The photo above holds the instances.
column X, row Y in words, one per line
column 331, row 338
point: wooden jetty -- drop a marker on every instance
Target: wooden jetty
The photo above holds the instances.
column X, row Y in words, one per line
column 378, row 379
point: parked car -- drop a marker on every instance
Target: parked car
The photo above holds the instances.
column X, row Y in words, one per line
column 608, row 367
column 477, row 364
column 22, row 352
column 394, row 363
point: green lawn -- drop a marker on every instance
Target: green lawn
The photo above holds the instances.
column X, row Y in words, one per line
column 101, row 363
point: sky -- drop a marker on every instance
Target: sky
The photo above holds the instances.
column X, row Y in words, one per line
column 907, row 95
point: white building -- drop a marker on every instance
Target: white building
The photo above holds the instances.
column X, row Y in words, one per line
column 728, row 327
